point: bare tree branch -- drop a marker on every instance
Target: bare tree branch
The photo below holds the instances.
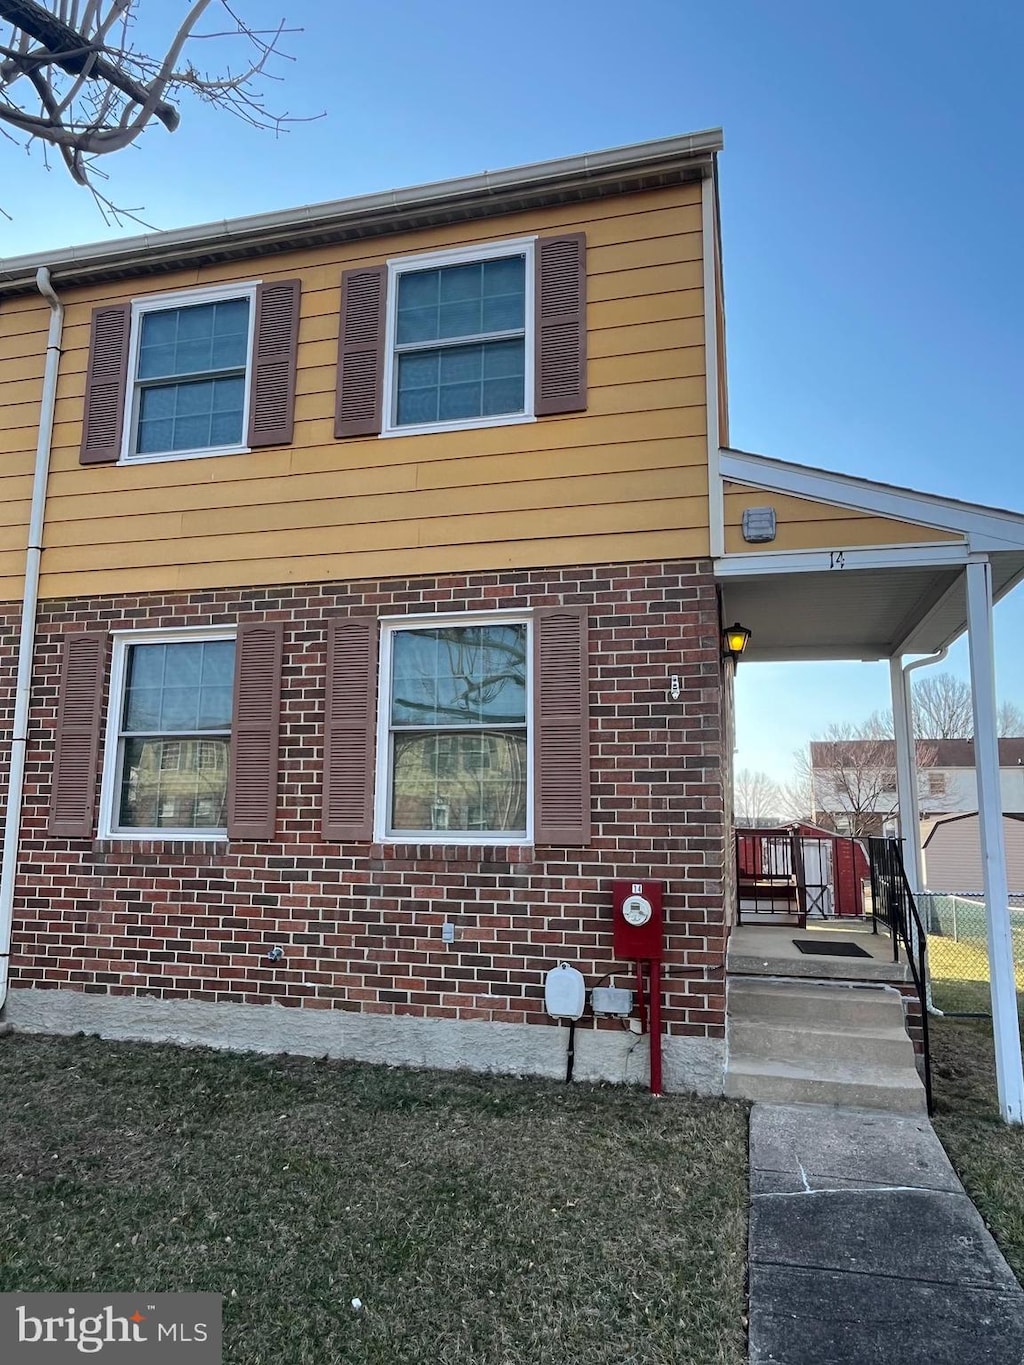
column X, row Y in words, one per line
column 71, row 51
column 72, row 76
column 942, row 707
column 756, row 799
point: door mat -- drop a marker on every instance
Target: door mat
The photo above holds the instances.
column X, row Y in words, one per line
column 825, row 949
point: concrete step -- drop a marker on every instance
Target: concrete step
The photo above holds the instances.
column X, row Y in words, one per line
column 775, row 1082
column 804, row 1044
column 765, row 1000
column 753, row 961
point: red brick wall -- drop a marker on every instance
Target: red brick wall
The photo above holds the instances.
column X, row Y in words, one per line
column 10, row 630
column 360, row 924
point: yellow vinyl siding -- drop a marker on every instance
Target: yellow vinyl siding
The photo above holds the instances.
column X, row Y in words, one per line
column 625, row 479
column 802, row 524
column 347, row 565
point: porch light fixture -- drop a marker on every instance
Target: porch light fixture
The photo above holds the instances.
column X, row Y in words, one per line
column 734, row 641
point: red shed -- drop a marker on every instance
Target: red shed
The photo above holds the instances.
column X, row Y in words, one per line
column 833, row 867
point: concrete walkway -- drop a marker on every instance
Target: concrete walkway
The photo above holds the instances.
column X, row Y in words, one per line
column 865, row 1249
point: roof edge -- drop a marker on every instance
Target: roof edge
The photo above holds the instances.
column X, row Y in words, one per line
column 588, row 175
column 987, row 528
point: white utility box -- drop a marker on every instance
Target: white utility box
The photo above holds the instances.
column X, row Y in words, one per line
column 565, row 992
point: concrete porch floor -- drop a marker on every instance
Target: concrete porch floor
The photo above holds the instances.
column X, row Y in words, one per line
column 769, row 950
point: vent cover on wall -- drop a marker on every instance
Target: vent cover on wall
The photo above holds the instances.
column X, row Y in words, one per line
column 759, row 524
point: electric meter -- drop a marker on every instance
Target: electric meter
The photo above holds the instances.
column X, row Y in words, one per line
column 637, row 920
column 636, row 910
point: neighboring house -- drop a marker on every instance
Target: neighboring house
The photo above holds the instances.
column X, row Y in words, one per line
column 854, row 781
column 951, row 853
column 382, row 554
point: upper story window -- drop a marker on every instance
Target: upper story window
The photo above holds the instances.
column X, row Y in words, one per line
column 457, row 339
column 190, row 390
column 198, row 372
column 188, row 371
column 480, row 336
column 460, row 342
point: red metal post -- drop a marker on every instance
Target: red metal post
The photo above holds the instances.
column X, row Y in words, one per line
column 655, row 968
column 640, row 1000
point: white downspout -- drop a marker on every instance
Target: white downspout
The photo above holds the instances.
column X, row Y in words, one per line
column 914, row 839
column 26, row 647
column 906, row 778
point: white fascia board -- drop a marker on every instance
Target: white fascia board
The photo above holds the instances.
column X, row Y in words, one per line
column 835, row 561
column 716, row 484
column 804, row 654
column 176, row 245
column 989, row 528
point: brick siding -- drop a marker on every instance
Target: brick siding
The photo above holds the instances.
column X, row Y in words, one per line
column 360, row 923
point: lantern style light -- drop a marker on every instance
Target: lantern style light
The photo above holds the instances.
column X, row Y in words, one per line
column 734, row 641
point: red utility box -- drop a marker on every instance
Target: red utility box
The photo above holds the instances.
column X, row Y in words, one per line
column 637, row 920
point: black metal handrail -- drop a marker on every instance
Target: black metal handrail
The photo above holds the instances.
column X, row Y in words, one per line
column 893, row 905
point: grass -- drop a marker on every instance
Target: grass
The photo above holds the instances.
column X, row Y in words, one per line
column 481, row 1221
column 959, row 972
column 988, row 1154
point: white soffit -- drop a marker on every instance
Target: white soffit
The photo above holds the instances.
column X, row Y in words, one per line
column 869, row 613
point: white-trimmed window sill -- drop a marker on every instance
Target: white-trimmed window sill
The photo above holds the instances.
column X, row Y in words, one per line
column 515, row 420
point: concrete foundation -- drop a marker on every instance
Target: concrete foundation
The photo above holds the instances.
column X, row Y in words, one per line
column 690, row 1064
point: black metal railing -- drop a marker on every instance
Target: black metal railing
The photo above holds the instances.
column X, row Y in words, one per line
column 770, row 873
column 893, row 905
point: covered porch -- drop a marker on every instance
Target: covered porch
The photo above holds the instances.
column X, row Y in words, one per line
column 771, row 950
column 908, row 575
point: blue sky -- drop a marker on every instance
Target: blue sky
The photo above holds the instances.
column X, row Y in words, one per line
column 872, row 206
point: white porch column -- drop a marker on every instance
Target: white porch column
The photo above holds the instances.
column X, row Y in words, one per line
column 1005, row 1027
column 906, row 772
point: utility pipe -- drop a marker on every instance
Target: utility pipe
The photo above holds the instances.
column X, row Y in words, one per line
column 914, row 838
column 906, row 778
column 26, row 647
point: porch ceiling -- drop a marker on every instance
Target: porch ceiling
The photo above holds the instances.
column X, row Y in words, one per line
column 852, row 613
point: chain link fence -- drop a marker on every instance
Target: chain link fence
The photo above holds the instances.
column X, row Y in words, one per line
column 958, row 949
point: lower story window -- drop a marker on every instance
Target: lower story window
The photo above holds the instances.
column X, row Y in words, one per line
column 458, row 730
column 174, row 734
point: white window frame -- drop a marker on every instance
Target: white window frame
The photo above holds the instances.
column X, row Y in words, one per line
column 123, row 640
column 383, row 834
column 160, row 303
column 436, row 260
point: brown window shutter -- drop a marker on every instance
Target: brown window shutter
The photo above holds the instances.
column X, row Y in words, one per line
column 252, row 795
column 561, row 744
column 361, row 352
column 275, row 343
column 561, row 344
column 73, row 796
column 350, row 728
column 106, row 383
